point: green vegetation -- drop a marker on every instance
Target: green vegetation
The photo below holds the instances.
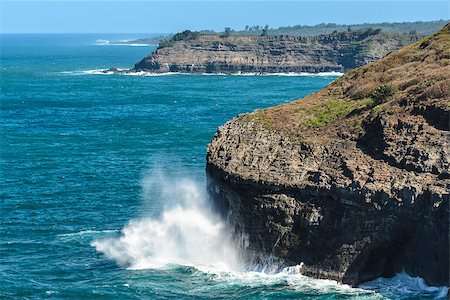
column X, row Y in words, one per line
column 357, row 124
column 181, row 36
column 186, row 35
column 383, row 93
column 265, row 31
column 333, row 109
column 258, row 117
column 377, row 110
column 417, row 28
column 427, row 82
column 407, row 29
column 297, row 140
column 227, row 32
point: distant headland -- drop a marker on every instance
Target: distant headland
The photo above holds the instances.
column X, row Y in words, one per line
column 261, row 50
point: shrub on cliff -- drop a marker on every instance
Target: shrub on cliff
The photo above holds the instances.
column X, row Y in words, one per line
column 383, row 93
column 186, row 35
column 181, row 36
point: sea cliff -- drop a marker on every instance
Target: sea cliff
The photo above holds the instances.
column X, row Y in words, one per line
column 191, row 52
column 352, row 181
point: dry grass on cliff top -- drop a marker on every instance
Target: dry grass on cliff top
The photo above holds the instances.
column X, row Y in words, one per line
column 414, row 76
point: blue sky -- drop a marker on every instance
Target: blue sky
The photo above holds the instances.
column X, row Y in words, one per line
column 173, row 16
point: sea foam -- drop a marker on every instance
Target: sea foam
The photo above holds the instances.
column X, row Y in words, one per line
column 408, row 286
column 149, row 74
column 186, row 233
column 101, row 42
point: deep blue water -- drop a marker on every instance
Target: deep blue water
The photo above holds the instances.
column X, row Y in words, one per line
column 82, row 155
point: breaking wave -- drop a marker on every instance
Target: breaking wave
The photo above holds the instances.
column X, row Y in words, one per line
column 188, row 233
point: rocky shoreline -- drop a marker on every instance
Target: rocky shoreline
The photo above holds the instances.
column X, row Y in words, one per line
column 352, row 181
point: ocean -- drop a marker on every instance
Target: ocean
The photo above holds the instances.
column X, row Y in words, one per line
column 103, row 179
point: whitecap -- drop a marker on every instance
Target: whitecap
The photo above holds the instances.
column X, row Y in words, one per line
column 89, row 72
column 51, row 292
column 101, row 42
column 84, row 233
column 130, row 44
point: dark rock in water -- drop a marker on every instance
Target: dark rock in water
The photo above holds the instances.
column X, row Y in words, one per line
column 113, row 70
column 353, row 181
column 276, row 54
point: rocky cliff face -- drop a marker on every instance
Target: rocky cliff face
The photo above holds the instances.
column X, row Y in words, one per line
column 262, row 54
column 353, row 180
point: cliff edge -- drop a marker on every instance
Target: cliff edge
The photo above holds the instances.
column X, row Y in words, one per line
column 353, row 181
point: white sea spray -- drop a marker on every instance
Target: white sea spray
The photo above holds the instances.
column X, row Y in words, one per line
column 186, row 233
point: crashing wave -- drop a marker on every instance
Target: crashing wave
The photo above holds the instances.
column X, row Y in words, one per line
column 188, row 234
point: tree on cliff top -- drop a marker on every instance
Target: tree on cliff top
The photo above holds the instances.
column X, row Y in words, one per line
column 227, row 32
column 186, row 35
column 265, row 31
column 180, row 36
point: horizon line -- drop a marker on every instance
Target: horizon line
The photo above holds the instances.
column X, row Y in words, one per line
column 274, row 28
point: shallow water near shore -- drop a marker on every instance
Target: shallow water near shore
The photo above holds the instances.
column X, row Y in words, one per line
column 103, row 180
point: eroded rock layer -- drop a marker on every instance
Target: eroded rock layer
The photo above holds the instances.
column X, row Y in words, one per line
column 353, row 180
column 271, row 54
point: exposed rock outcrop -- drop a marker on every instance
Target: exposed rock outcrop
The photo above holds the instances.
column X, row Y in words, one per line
column 353, row 180
column 271, row 54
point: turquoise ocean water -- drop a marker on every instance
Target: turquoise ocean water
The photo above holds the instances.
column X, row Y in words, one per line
column 102, row 179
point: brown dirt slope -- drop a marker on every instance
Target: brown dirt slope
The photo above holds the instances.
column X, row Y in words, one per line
column 414, row 80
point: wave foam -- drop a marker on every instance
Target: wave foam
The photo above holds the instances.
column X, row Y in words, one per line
column 149, row 74
column 406, row 286
column 89, row 72
column 101, row 42
column 187, row 233
column 320, row 74
column 84, row 234
column 288, row 279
